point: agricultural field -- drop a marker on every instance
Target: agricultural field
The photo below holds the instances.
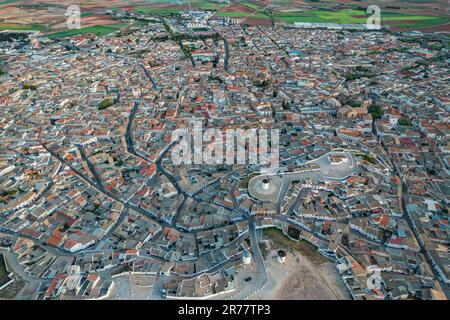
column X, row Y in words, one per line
column 255, row 6
column 7, row 1
column 238, row 14
column 253, row 13
column 351, row 16
column 16, row 26
column 207, row 5
column 412, row 21
column 173, row 7
column 160, row 11
column 49, row 16
column 99, row 30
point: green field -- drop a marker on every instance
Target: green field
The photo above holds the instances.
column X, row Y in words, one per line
column 343, row 16
column 350, row 16
column 252, row 5
column 291, row 17
column 7, row 1
column 206, row 5
column 16, row 26
column 87, row 14
column 98, row 30
column 419, row 21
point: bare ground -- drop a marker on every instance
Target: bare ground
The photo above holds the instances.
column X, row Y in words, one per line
column 304, row 284
column 306, row 275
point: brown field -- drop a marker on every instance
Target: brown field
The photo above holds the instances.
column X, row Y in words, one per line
column 161, row 6
column 258, row 22
column 97, row 20
column 237, row 8
column 91, row 21
column 16, row 15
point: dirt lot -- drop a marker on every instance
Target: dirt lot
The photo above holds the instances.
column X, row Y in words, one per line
column 133, row 287
column 305, row 275
column 258, row 22
column 303, row 284
column 306, row 282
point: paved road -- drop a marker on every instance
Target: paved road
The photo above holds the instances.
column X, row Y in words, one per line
column 254, row 243
column 128, row 137
column 227, row 54
column 150, row 78
column 91, row 168
column 233, row 195
column 113, row 228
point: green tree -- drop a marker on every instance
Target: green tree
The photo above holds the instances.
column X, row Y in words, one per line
column 105, row 104
column 29, row 86
column 404, row 122
column 369, row 158
column 354, row 104
column 376, row 111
